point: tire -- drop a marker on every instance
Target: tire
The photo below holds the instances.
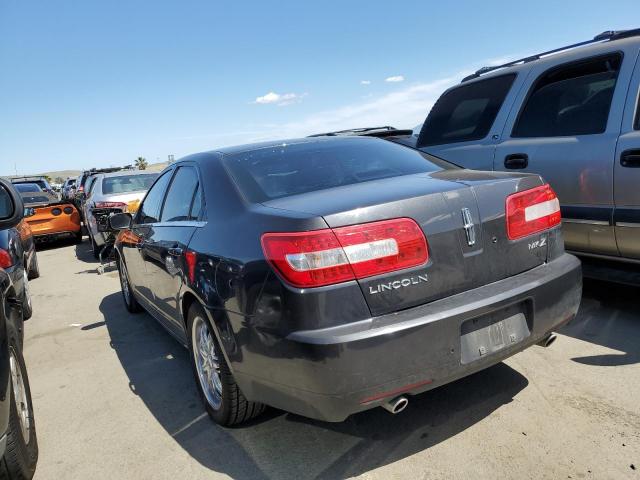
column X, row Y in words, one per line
column 230, row 407
column 34, row 268
column 78, row 237
column 27, row 307
column 128, row 296
column 21, row 455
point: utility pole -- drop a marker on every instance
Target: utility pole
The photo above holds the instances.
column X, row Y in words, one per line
column 170, row 159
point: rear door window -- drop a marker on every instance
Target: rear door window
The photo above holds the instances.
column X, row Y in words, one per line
column 466, row 112
column 291, row 169
column 179, row 200
column 149, row 212
column 573, row 99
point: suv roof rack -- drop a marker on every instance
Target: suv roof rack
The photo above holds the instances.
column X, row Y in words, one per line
column 92, row 171
column 607, row 36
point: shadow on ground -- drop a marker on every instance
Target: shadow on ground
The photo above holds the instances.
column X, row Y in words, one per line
column 608, row 316
column 285, row 446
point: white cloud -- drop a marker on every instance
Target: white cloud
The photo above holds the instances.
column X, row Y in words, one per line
column 395, row 79
column 273, row 98
column 365, row 82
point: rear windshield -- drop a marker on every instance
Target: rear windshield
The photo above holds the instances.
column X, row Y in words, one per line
column 27, row 187
column 127, row 183
column 285, row 170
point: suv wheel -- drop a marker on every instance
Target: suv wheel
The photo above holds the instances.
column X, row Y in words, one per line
column 34, row 268
column 27, row 308
column 222, row 397
column 21, row 454
column 127, row 292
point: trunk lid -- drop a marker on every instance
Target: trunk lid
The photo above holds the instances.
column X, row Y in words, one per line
column 460, row 258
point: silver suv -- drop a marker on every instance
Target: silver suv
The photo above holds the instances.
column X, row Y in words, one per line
column 117, row 191
column 571, row 115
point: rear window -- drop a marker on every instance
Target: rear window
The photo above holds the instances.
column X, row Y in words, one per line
column 127, row 183
column 285, row 170
column 465, row 113
column 27, row 187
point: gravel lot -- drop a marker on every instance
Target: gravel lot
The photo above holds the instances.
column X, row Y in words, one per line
column 114, row 398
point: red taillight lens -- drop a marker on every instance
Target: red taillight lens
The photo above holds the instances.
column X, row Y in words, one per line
column 110, row 205
column 324, row 257
column 5, row 259
column 532, row 211
column 190, row 258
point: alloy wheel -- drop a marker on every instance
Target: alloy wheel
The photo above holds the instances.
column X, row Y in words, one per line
column 207, row 362
column 20, row 397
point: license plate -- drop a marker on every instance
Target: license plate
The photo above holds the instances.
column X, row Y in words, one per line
column 483, row 337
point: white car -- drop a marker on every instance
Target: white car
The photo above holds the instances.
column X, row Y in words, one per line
column 113, row 192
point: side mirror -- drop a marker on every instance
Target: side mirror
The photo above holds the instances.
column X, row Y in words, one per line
column 120, row 221
column 11, row 206
column 29, row 211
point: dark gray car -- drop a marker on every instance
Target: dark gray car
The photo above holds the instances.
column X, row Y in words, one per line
column 329, row 275
column 571, row 115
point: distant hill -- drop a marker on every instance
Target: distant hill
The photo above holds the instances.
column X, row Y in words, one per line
column 64, row 174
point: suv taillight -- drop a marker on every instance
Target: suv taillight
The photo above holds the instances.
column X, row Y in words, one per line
column 532, row 211
column 325, row 257
column 5, row 259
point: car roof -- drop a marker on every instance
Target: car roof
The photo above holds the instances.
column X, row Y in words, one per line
column 292, row 141
column 561, row 55
column 122, row 173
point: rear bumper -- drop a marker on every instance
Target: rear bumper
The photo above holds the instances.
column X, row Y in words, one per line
column 332, row 373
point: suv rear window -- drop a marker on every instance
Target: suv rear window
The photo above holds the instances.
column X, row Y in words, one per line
column 573, row 99
column 466, row 112
column 127, row 183
column 285, row 170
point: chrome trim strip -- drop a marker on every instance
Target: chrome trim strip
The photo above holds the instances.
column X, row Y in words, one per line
column 582, row 221
column 627, row 224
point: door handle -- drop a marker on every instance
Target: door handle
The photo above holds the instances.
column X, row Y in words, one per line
column 516, row 161
column 175, row 252
column 630, row 158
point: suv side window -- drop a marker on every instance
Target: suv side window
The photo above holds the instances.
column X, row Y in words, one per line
column 466, row 112
column 572, row 99
column 177, row 205
column 149, row 211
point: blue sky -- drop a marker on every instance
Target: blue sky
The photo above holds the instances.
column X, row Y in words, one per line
column 97, row 83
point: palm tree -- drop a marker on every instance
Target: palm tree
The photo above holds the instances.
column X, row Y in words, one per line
column 141, row 163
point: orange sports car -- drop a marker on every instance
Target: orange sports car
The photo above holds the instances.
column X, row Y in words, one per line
column 48, row 217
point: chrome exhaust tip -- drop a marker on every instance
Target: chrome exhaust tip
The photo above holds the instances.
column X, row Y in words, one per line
column 548, row 340
column 396, row 405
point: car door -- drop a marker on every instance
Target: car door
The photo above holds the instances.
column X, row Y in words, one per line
column 627, row 174
column 142, row 227
column 463, row 125
column 566, row 129
column 167, row 245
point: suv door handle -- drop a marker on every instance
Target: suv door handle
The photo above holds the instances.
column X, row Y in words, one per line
column 630, row 158
column 175, row 252
column 516, row 161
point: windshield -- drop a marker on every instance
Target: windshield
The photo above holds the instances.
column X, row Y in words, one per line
column 127, row 183
column 27, row 187
column 285, row 170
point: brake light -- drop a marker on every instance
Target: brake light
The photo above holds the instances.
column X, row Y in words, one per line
column 329, row 256
column 532, row 211
column 190, row 258
column 110, row 205
column 5, row 259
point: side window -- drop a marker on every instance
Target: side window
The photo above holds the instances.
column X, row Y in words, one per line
column 177, row 205
column 573, row 99
column 466, row 112
column 196, row 207
column 150, row 209
column 637, row 124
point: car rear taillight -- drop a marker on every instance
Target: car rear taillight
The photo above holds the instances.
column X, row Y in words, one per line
column 5, row 259
column 110, row 205
column 532, row 211
column 329, row 256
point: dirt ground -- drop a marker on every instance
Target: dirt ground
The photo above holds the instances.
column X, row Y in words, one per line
column 114, row 398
